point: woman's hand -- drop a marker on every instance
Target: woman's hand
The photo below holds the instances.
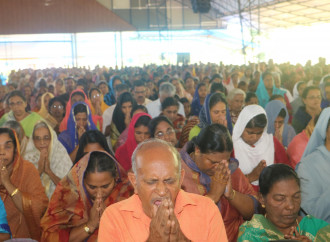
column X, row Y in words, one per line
column 96, row 213
column 219, row 181
column 127, row 119
column 4, row 174
column 47, row 166
column 42, row 159
column 278, row 135
column 294, row 235
column 81, row 131
column 254, row 175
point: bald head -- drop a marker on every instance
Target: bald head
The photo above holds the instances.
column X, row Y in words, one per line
column 151, row 149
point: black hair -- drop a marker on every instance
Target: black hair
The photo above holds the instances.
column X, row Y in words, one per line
column 307, row 89
column 79, row 108
column 273, row 174
column 282, row 113
column 142, row 121
column 93, row 89
column 121, row 87
column 275, row 97
column 56, row 99
column 15, row 93
column 242, row 84
column 118, row 115
column 154, row 123
column 42, row 83
column 139, row 83
column 137, row 107
column 184, row 100
column 259, row 121
column 101, row 162
column 213, row 138
column 216, row 98
column 114, row 79
column 217, row 87
column 168, row 102
column 78, row 93
column 160, row 82
column 83, row 82
column 90, row 137
column 250, row 95
column 299, row 84
column 266, row 73
column 10, row 134
column 216, row 76
column 201, row 84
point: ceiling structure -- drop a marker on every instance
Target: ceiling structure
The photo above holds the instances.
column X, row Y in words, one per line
column 269, row 14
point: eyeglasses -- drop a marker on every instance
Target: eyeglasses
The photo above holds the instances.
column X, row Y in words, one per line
column 39, row 139
column 161, row 134
column 314, row 97
column 19, row 103
column 96, row 95
column 58, row 106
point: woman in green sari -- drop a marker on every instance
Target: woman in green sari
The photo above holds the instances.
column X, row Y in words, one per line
column 17, row 103
column 280, row 196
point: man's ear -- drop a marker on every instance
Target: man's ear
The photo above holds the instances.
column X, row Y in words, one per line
column 182, row 176
column 132, row 179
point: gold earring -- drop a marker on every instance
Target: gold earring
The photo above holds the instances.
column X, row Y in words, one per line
column 263, row 205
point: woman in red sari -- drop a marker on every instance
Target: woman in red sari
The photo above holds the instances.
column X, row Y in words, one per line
column 80, row 198
column 209, row 171
column 137, row 132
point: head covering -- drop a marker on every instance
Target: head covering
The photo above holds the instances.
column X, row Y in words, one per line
column 104, row 106
column 319, row 133
column 110, row 97
column 124, row 152
column 248, row 156
column 60, row 162
column 262, row 93
column 196, row 105
column 205, row 116
column 64, row 123
column 295, row 90
column 44, row 110
column 72, row 124
column 273, row 108
column 70, row 204
column 25, row 177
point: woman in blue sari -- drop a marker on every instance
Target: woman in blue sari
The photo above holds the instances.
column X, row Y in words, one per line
column 4, row 227
column 80, row 120
column 214, row 110
column 266, row 89
column 278, row 118
column 314, row 170
column 110, row 97
column 198, row 99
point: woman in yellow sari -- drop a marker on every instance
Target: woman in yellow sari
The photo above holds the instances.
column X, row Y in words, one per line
column 43, row 112
column 96, row 99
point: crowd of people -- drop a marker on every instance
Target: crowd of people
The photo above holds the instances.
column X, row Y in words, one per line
column 200, row 152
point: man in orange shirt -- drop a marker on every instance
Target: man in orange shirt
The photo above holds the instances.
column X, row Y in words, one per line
column 160, row 210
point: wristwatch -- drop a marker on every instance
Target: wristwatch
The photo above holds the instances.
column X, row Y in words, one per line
column 87, row 229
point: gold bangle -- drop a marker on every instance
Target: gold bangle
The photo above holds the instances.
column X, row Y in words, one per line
column 234, row 193
column 14, row 192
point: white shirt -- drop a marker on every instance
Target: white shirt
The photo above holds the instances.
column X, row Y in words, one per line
column 155, row 108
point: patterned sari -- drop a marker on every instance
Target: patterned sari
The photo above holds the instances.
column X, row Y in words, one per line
column 70, row 204
column 195, row 181
column 34, row 200
column 261, row 229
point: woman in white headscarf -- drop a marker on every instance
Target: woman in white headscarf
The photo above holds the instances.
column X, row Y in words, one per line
column 314, row 170
column 48, row 155
column 253, row 146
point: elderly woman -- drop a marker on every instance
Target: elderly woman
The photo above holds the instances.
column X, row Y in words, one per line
column 21, row 189
column 314, row 168
column 17, row 103
column 280, row 195
column 253, row 146
column 80, row 198
column 48, row 155
column 162, row 128
column 79, row 121
column 209, row 171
